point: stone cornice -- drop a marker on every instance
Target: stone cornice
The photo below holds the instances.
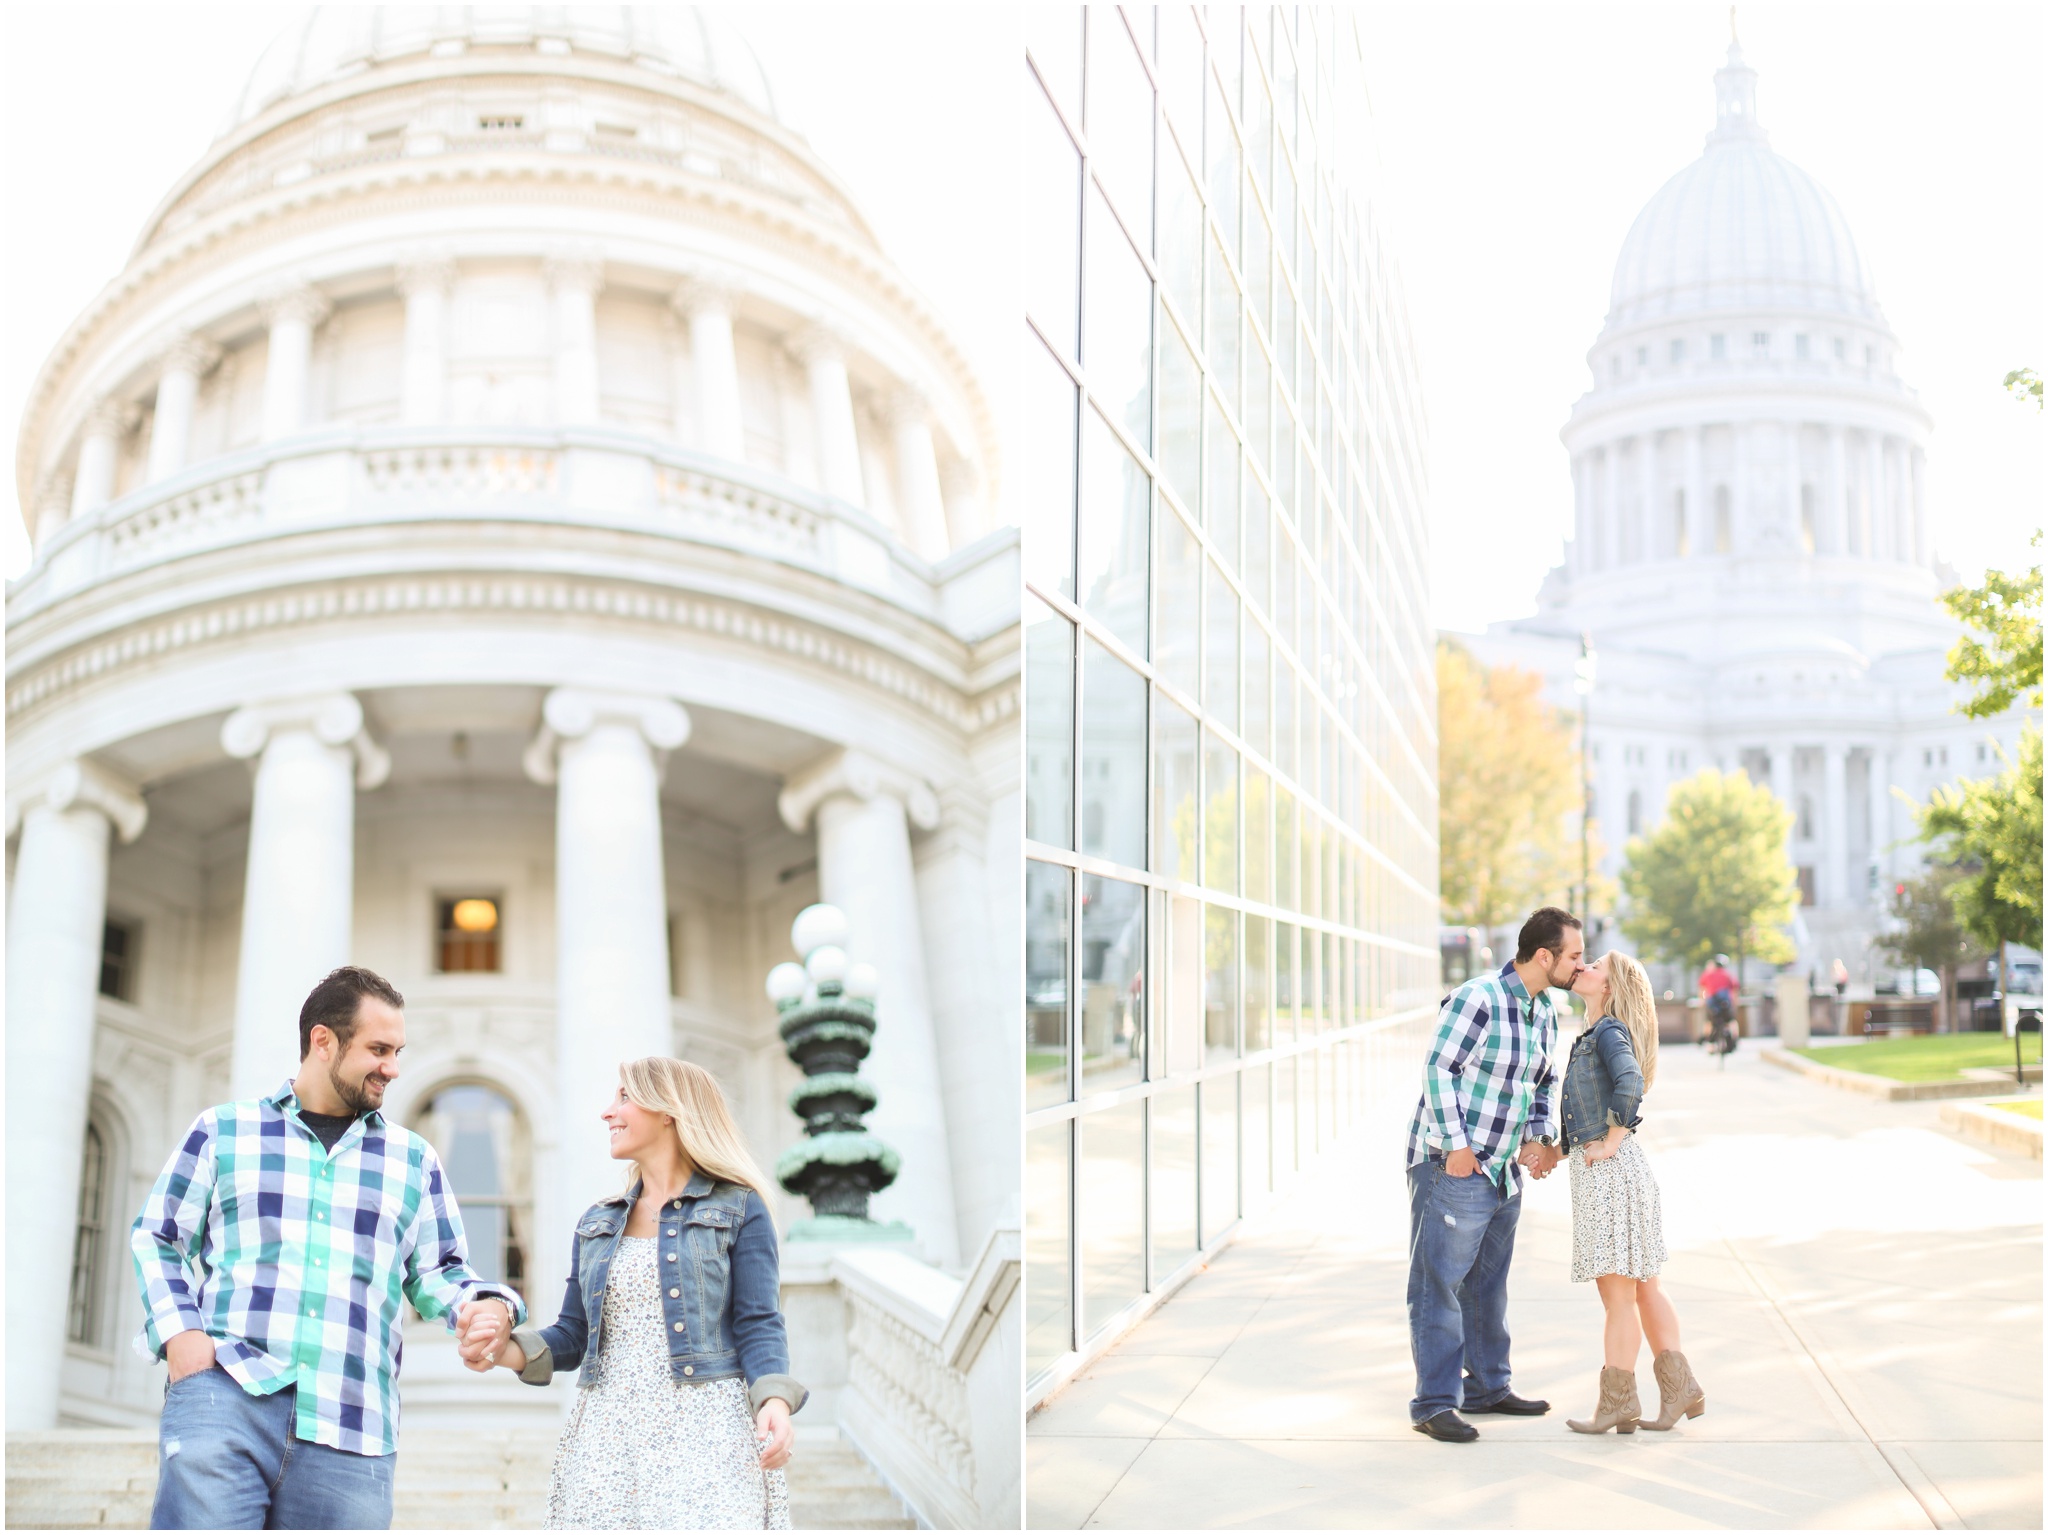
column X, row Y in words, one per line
column 81, row 781
column 569, row 714
column 334, row 718
column 437, row 181
column 242, row 619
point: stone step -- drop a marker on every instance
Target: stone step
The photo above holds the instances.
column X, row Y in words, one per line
column 86, row 1479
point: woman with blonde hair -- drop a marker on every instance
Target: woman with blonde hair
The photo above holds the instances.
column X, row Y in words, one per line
column 684, row 1398
column 1617, row 1219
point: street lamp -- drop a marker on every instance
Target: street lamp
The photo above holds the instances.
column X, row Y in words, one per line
column 1583, row 672
column 827, row 1007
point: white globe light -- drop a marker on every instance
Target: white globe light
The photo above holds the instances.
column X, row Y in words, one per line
column 826, row 965
column 863, row 982
column 816, row 926
column 787, row 983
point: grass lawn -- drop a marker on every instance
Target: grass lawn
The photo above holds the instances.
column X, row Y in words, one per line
column 1928, row 1057
column 2028, row 1107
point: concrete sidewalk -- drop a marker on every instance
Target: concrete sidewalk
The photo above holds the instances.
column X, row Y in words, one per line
column 1859, row 1289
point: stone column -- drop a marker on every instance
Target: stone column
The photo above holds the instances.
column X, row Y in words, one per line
column 863, row 811
column 1649, row 540
column 55, row 923
column 292, row 315
column 424, row 282
column 1878, row 795
column 960, row 487
column 707, row 305
column 1834, row 827
column 1738, row 488
column 1576, row 545
column 1835, row 522
column 53, row 507
column 604, row 753
column 92, row 487
column 298, row 898
column 917, row 474
column 573, row 283
column 1781, row 785
column 1916, row 481
column 838, row 441
column 1879, row 519
column 1610, row 519
column 189, row 359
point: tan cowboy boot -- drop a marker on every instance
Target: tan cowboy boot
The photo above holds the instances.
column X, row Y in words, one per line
column 1678, row 1387
column 1619, row 1406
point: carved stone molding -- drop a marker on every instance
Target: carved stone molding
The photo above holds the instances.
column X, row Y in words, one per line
column 907, row 406
column 856, row 774
column 430, row 271
column 572, row 713
column 80, row 781
column 574, row 270
column 112, row 417
column 816, row 342
column 335, row 718
column 192, row 354
column 709, row 291
column 295, row 301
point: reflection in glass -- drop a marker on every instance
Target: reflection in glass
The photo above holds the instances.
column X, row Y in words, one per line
column 1257, row 414
column 1179, row 251
column 1176, row 816
column 487, row 1158
column 1219, row 336
column 1220, row 695
column 1222, row 145
column 1048, row 1282
column 1112, row 759
column 1256, row 1134
column 1116, row 498
column 1219, row 985
column 1048, row 725
column 1257, row 690
column 1112, row 984
column 1120, row 121
column 1283, row 983
column 1179, row 452
column 1286, row 1155
column 1283, row 719
column 1116, row 341
column 1177, row 624
column 1220, row 508
column 1219, row 839
column 1052, row 36
column 1048, row 904
column 1258, row 983
column 1050, row 399
column 1181, row 76
column 1112, row 1211
column 1258, row 844
column 1173, row 1181
column 1254, row 575
column 1053, row 216
column 1219, row 1155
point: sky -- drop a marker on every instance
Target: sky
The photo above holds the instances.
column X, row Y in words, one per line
column 1515, row 145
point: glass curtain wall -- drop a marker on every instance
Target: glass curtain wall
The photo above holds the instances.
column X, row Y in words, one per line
column 1229, row 702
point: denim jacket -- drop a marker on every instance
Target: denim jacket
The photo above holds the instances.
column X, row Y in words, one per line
column 1603, row 1085
column 720, row 1279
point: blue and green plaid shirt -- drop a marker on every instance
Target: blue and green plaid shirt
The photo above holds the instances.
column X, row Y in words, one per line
column 294, row 1259
column 1486, row 1082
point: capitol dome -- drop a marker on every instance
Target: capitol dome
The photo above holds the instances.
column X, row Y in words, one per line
column 1741, row 228
column 333, row 42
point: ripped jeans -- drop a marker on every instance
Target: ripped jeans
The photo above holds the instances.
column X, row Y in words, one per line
column 228, row 1461
column 1461, row 1238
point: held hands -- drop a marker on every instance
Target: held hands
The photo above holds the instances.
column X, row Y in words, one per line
column 188, row 1353
column 772, row 1431
column 483, row 1334
column 1538, row 1158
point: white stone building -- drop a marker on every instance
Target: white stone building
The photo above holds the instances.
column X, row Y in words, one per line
column 510, row 525
column 1753, row 555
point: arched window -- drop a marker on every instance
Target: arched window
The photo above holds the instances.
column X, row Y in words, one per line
column 487, row 1153
column 89, row 1246
column 1724, row 521
column 1635, row 812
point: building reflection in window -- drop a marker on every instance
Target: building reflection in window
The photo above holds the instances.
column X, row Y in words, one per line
column 487, row 1154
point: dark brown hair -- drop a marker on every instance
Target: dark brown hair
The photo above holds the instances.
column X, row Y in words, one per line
column 336, row 1001
column 1544, row 930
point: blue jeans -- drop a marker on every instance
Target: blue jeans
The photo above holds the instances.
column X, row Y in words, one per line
column 228, row 1461
column 1461, row 1238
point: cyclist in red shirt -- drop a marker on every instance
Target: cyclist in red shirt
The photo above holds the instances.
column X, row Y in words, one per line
column 1716, row 978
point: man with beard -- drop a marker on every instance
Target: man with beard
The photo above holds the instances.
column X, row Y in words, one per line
column 273, row 1254
column 1485, row 1115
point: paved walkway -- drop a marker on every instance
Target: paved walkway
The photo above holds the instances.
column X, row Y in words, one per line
column 1860, row 1293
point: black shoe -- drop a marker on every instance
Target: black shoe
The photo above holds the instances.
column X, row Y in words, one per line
column 1511, row 1406
column 1448, row 1427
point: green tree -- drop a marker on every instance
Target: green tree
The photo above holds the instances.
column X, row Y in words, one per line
column 2001, row 659
column 1712, row 876
column 1930, row 935
column 1992, row 827
column 1508, row 776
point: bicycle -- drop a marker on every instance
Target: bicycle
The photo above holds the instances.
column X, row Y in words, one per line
column 1721, row 1038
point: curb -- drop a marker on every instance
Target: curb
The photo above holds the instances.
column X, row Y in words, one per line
column 1983, row 1122
column 1875, row 1086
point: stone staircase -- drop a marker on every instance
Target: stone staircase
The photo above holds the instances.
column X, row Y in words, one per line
column 94, row 1479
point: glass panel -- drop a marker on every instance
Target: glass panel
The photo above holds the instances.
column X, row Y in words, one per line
column 1258, row 1131
column 1173, row 1182
column 1219, row 336
column 1220, row 509
column 1112, row 1199
column 1257, row 688
column 1048, row 725
column 1052, row 254
column 1178, row 251
column 1219, row 985
column 1175, row 813
column 1112, row 759
column 1050, row 398
column 1222, row 150
column 1048, row 904
column 1115, row 499
column 1258, row 845
column 1219, row 843
column 477, row 1135
column 1284, row 992
column 1283, row 590
column 1178, row 624
column 1185, row 997
column 1258, row 982
column 1180, row 418
column 1219, row 1156
column 1285, row 855
column 1258, row 408
column 1283, row 720
column 1285, row 1129
column 1112, row 983
column 1048, row 1282
column 1220, row 696
column 1181, row 74
column 1052, row 33
column 1117, row 316
column 1254, row 573
column 1120, row 121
